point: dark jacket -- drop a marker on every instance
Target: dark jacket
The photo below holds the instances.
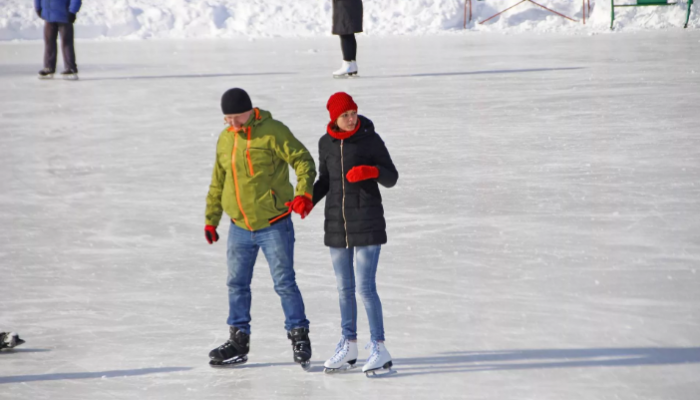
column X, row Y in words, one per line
column 354, row 211
column 57, row 10
column 347, row 17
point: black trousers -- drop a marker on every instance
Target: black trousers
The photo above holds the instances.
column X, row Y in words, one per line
column 349, row 46
column 51, row 31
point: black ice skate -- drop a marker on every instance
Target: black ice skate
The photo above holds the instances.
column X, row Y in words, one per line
column 70, row 75
column 233, row 352
column 46, row 73
column 9, row 340
column 301, row 344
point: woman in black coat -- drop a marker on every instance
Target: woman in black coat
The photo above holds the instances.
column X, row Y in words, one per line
column 353, row 162
column 347, row 20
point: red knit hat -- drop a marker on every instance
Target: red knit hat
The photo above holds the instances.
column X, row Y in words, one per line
column 339, row 103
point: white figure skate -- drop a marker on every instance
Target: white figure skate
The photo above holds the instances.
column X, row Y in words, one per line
column 347, row 70
column 379, row 361
column 344, row 358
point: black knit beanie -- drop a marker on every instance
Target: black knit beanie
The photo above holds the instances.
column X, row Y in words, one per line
column 235, row 101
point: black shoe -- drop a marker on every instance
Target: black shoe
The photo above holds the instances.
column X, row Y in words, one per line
column 46, row 73
column 301, row 345
column 9, row 340
column 237, row 345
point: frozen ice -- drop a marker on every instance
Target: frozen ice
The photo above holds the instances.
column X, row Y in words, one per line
column 549, row 187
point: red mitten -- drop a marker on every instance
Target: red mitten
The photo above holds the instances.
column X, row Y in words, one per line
column 301, row 205
column 362, row 172
column 210, row 234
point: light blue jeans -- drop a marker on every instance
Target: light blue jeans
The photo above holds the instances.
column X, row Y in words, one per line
column 367, row 261
column 277, row 243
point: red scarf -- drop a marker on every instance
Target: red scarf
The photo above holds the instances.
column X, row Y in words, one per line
column 342, row 135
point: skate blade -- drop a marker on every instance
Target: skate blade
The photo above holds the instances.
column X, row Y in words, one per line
column 378, row 372
column 45, row 77
column 305, row 365
column 70, row 77
column 352, row 75
column 344, row 368
column 233, row 362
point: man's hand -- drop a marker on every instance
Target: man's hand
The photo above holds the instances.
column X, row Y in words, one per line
column 301, row 205
column 71, row 17
column 210, row 234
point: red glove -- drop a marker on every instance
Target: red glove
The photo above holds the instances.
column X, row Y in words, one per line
column 210, row 234
column 361, row 173
column 301, row 205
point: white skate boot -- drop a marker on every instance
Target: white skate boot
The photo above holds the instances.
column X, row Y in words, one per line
column 344, row 358
column 379, row 360
column 348, row 69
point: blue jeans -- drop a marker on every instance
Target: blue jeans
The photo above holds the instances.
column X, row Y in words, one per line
column 367, row 261
column 277, row 243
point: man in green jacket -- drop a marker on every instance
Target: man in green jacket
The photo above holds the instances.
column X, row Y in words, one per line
column 251, row 184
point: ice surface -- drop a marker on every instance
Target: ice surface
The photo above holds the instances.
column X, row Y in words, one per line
column 144, row 19
column 544, row 238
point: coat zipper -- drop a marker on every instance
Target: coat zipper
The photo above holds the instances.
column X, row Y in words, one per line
column 345, row 220
column 235, row 179
column 247, row 153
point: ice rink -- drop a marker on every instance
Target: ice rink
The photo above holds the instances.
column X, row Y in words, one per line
column 544, row 235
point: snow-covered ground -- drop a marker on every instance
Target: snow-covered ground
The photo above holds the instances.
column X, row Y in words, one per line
column 140, row 19
column 544, row 238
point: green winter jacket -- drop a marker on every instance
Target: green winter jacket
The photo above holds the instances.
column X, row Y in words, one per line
column 250, row 181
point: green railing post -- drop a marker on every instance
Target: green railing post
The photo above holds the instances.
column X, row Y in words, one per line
column 612, row 13
column 687, row 15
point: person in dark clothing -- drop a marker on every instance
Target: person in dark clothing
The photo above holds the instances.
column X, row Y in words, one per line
column 353, row 162
column 347, row 20
column 59, row 16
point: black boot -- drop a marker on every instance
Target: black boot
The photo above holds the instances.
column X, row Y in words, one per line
column 9, row 340
column 301, row 344
column 46, row 73
column 234, row 351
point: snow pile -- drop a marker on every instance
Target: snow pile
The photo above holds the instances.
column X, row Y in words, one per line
column 142, row 19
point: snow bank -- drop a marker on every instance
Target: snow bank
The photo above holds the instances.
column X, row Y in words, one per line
column 143, row 19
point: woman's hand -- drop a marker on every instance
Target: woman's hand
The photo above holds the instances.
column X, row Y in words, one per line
column 361, row 173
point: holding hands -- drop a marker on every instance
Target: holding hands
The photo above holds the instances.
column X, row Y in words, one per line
column 301, row 205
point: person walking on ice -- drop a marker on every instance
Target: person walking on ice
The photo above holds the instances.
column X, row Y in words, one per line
column 250, row 182
column 347, row 20
column 353, row 162
column 59, row 16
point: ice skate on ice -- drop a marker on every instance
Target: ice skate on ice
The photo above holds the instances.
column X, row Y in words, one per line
column 9, row 340
column 301, row 345
column 344, row 358
column 233, row 352
column 70, row 75
column 347, row 70
column 46, row 73
column 379, row 361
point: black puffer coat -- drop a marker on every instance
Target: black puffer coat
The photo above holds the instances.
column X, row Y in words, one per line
column 354, row 211
column 347, row 17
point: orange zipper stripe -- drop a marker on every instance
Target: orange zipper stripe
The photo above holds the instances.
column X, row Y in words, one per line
column 247, row 152
column 235, row 180
column 273, row 220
